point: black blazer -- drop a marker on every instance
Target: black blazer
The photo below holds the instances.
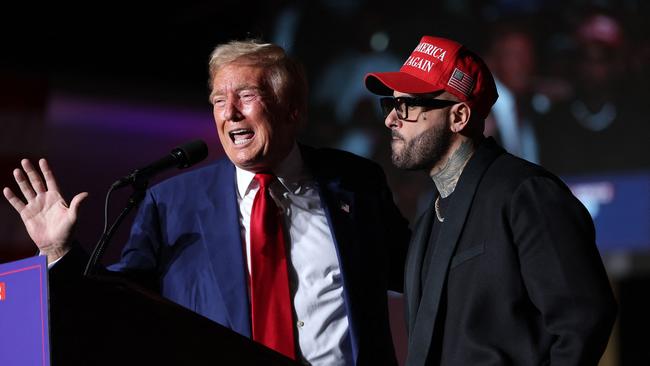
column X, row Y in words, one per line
column 515, row 277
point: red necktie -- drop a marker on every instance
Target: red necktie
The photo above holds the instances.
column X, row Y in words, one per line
column 272, row 315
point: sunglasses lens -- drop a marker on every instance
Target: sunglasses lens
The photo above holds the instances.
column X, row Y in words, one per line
column 400, row 107
column 387, row 105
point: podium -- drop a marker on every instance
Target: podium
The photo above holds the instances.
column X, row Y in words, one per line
column 24, row 335
column 109, row 321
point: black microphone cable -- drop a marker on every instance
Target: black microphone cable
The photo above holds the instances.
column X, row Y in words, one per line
column 181, row 157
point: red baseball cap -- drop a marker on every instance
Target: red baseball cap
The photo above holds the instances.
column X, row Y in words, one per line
column 439, row 64
column 601, row 28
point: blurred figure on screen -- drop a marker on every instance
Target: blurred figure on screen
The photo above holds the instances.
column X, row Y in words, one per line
column 511, row 56
column 601, row 128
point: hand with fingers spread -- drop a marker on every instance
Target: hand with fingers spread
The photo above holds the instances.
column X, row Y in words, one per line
column 47, row 217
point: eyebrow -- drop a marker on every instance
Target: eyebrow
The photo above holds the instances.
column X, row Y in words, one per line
column 237, row 90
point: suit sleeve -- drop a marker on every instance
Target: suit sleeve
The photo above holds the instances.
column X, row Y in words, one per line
column 139, row 259
column 397, row 237
column 562, row 270
column 139, row 256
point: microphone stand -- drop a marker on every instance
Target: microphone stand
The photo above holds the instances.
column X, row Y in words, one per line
column 139, row 191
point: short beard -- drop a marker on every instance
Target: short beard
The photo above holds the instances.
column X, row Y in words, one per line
column 423, row 151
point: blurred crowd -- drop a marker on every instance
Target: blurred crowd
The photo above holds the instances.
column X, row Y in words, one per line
column 571, row 79
column 571, row 74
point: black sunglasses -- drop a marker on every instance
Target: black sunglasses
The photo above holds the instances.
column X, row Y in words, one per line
column 401, row 105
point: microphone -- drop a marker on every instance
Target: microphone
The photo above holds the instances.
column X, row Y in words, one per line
column 182, row 156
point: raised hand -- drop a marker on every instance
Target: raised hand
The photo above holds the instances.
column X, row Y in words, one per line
column 47, row 217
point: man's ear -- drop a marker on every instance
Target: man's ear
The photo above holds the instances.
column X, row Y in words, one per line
column 459, row 114
column 296, row 118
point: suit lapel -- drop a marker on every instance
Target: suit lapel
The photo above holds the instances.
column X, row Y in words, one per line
column 412, row 282
column 221, row 230
column 340, row 208
column 422, row 330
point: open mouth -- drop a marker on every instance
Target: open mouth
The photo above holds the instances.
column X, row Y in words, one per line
column 241, row 136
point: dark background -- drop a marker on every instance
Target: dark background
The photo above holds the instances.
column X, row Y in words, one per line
column 103, row 88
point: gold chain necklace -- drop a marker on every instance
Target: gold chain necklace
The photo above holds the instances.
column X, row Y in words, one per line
column 437, row 207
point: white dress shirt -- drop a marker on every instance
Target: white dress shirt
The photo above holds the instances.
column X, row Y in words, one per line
column 314, row 270
column 517, row 136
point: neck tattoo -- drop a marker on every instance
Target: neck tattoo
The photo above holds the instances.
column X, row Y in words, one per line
column 446, row 177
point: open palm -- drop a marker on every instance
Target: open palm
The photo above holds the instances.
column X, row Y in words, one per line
column 48, row 219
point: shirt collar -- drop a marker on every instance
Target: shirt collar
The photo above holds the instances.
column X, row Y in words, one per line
column 291, row 173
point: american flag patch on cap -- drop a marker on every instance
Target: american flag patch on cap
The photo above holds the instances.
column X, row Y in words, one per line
column 461, row 82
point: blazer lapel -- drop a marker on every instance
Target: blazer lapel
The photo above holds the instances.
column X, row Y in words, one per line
column 340, row 209
column 422, row 330
column 221, row 230
column 339, row 206
column 413, row 267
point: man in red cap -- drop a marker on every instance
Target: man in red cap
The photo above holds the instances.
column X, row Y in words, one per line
column 503, row 266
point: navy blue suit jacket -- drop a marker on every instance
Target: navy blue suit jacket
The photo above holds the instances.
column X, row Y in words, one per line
column 187, row 237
